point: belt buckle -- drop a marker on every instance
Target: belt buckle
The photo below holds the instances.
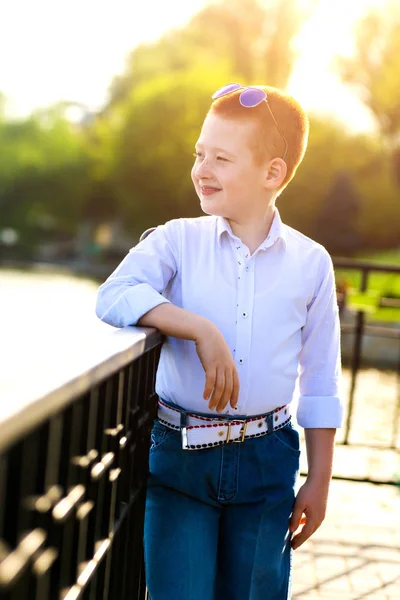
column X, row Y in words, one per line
column 242, row 433
column 184, row 438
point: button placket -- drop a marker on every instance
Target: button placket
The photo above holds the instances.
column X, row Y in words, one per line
column 244, row 308
column 241, row 293
column 243, row 264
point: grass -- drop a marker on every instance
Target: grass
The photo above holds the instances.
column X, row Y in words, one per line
column 386, row 285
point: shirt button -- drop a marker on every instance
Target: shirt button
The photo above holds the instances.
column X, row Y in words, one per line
column 244, row 315
column 241, row 361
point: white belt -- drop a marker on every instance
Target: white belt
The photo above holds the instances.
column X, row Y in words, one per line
column 204, row 432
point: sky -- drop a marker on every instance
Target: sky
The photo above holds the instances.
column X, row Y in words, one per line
column 54, row 50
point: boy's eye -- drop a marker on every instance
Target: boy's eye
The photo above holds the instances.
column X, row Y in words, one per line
column 201, row 155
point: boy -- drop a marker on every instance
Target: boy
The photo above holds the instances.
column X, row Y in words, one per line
column 248, row 304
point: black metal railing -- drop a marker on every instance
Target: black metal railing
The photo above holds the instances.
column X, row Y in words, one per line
column 73, row 469
column 359, row 329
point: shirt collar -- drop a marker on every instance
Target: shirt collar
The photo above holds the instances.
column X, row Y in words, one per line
column 277, row 231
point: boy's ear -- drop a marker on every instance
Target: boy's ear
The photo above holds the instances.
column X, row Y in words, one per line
column 276, row 173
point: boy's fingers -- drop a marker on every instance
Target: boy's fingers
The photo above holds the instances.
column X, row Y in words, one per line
column 210, row 382
column 295, row 518
column 235, row 389
column 311, row 526
column 304, row 534
column 218, row 389
column 227, row 391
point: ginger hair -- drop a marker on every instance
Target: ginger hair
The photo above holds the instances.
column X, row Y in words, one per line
column 267, row 142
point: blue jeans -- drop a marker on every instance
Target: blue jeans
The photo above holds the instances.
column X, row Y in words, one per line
column 216, row 520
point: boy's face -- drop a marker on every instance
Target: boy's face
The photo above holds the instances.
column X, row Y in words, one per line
column 226, row 177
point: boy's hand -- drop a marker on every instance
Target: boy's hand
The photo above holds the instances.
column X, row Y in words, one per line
column 222, row 379
column 309, row 510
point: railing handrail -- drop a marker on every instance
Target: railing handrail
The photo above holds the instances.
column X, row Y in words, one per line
column 112, row 354
column 363, row 265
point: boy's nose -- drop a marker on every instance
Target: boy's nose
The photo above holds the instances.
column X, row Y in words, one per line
column 203, row 170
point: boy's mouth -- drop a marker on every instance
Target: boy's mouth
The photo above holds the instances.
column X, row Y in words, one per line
column 207, row 190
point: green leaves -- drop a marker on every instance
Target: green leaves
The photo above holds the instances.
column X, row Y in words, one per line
column 374, row 70
column 132, row 162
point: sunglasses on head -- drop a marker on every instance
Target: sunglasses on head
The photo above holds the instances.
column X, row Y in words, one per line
column 249, row 98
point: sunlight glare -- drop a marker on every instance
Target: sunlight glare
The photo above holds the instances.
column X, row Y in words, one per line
column 314, row 83
column 72, row 51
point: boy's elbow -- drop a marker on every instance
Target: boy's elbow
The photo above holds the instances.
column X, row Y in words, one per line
column 123, row 305
column 104, row 310
column 110, row 311
column 107, row 315
column 99, row 310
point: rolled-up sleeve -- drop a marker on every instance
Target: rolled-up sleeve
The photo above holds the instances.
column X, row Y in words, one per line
column 320, row 403
column 137, row 284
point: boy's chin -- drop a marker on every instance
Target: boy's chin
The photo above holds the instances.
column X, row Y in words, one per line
column 213, row 211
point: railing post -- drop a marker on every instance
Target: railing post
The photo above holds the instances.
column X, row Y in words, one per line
column 356, row 355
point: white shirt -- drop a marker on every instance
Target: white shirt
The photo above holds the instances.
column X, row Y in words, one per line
column 276, row 308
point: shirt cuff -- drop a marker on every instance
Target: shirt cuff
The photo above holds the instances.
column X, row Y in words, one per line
column 135, row 302
column 320, row 411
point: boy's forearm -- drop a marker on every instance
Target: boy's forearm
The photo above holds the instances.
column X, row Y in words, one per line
column 174, row 321
column 320, row 445
column 311, row 500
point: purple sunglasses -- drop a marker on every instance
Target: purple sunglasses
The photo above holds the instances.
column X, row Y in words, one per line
column 249, row 98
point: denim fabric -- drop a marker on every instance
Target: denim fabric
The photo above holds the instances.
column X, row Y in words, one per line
column 216, row 521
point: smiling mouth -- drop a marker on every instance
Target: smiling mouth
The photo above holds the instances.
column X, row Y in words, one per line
column 208, row 190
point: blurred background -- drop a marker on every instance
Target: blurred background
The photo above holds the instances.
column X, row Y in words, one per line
column 100, row 107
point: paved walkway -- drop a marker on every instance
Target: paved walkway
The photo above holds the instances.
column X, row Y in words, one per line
column 355, row 555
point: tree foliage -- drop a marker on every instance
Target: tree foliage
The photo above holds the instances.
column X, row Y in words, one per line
column 43, row 175
column 374, row 71
column 336, row 222
column 251, row 39
column 365, row 158
column 131, row 162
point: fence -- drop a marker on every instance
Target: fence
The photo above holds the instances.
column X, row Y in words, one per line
column 359, row 329
column 73, row 468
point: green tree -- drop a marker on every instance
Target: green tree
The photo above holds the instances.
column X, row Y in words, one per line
column 250, row 39
column 374, row 72
column 336, row 222
column 367, row 159
column 44, row 174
